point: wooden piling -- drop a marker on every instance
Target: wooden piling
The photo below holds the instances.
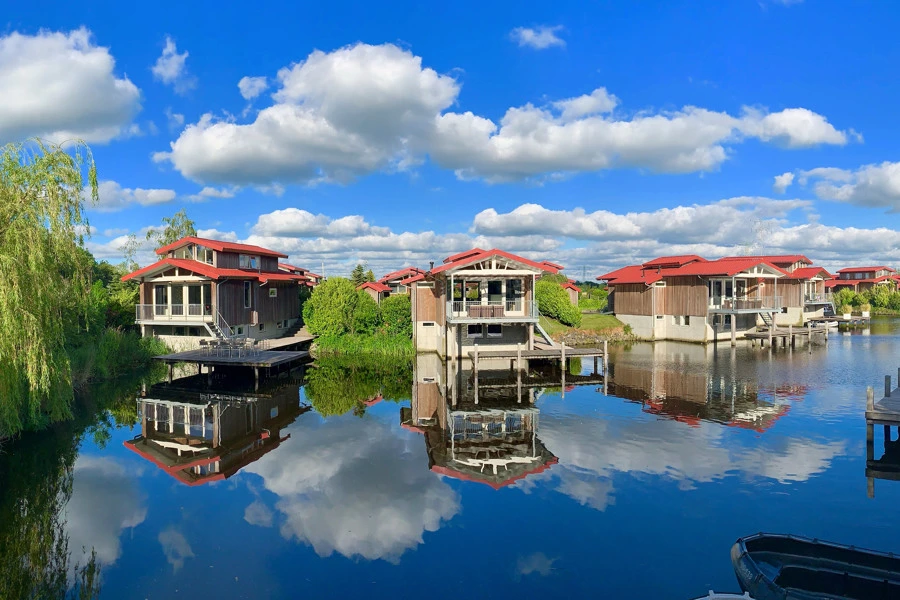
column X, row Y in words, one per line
column 887, row 386
column 171, row 372
column 475, row 372
column 519, row 357
column 791, row 334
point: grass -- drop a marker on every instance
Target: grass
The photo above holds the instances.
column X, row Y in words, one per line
column 589, row 322
column 378, row 344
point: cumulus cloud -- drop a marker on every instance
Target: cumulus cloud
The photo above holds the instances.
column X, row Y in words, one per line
column 215, row 234
column 873, row 186
column 539, row 38
column 176, row 547
column 295, row 222
column 104, row 503
column 782, row 182
column 171, row 68
column 363, row 109
column 62, row 86
column 113, row 197
column 348, row 486
column 537, row 563
column 251, row 87
column 174, row 119
column 211, row 192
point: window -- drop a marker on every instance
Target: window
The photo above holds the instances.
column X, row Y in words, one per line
column 248, row 286
column 495, row 291
column 428, row 324
column 494, row 331
column 514, row 294
column 475, row 331
column 273, row 292
column 278, row 324
column 687, row 319
column 204, row 254
column 262, row 326
column 179, row 331
column 245, row 261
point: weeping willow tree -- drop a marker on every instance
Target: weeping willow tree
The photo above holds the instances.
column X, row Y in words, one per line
column 43, row 277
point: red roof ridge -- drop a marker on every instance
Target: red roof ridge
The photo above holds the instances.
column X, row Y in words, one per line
column 375, row 285
column 219, row 246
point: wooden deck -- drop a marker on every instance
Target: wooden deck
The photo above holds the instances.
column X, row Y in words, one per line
column 786, row 335
column 884, row 412
column 265, row 358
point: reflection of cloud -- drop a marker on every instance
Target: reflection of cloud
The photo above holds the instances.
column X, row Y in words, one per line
column 258, row 514
column 104, row 502
column 538, row 563
column 176, row 547
column 350, row 486
column 592, row 451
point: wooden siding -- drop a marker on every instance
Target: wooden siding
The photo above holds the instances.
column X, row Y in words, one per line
column 227, row 260
column 634, row 299
column 269, row 263
column 230, row 302
column 683, row 296
column 430, row 303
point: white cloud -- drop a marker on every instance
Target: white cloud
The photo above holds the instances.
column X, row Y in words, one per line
column 782, row 182
column 210, row 192
column 363, row 109
column 874, row 186
column 113, row 197
column 295, row 222
column 348, row 486
column 251, row 87
column 175, row 120
column 171, row 68
column 104, row 502
column 259, row 514
column 215, row 234
column 537, row 563
column 61, row 86
column 539, row 38
column 176, row 547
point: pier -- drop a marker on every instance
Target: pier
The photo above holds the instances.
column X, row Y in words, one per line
column 885, row 412
column 787, row 336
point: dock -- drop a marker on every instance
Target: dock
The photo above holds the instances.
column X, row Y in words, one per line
column 840, row 320
column 885, row 412
column 786, row 335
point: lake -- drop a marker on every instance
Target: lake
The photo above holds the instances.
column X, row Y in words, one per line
column 389, row 481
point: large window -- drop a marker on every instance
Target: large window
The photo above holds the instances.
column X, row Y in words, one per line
column 514, row 294
column 475, row 331
column 494, row 330
column 161, row 299
column 495, row 291
column 248, row 262
column 248, row 297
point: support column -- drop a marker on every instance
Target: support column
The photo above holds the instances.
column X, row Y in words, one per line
column 171, row 372
column 475, row 371
column 733, row 329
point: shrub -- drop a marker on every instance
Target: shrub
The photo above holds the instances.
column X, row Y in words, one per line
column 844, row 309
column 396, row 312
column 330, row 309
column 366, row 314
column 865, row 307
column 553, row 302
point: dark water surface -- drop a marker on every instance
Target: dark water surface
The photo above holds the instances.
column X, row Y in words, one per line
column 361, row 482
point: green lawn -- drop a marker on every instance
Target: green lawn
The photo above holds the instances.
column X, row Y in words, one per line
column 591, row 321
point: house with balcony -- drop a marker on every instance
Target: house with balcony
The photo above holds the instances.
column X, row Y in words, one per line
column 690, row 298
column 203, row 288
column 861, row 279
column 483, row 297
column 394, row 280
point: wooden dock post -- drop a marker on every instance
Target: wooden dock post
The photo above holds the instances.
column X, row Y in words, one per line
column 519, row 357
column 475, row 372
column 596, row 359
column 171, row 371
column 734, row 330
column 771, row 327
column 791, row 334
column 887, row 386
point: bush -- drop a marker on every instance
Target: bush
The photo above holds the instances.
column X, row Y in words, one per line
column 396, row 312
column 844, row 309
column 366, row 315
column 553, row 302
column 330, row 309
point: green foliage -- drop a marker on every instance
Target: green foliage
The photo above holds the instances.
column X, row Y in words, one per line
column 553, row 301
column 45, row 277
column 329, row 310
column 358, row 275
column 370, row 276
column 555, row 277
column 844, row 309
column 174, row 228
column 589, row 303
column 380, row 344
column 340, row 384
column 396, row 311
column 880, row 298
column 366, row 315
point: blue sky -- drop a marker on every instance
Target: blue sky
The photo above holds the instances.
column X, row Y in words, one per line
column 592, row 135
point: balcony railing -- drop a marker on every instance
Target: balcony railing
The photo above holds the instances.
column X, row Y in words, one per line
column 818, row 298
column 506, row 310
column 729, row 303
column 175, row 312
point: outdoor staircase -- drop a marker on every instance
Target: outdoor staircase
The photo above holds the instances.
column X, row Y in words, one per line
column 767, row 319
column 544, row 334
column 217, row 331
column 294, row 329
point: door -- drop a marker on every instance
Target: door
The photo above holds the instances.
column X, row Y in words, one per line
column 194, row 301
column 161, row 300
column 514, row 295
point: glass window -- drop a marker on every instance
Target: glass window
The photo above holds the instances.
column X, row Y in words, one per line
column 475, row 331
column 248, row 286
column 494, row 330
column 514, row 294
column 495, row 291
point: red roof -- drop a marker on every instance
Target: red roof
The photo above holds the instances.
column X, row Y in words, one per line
column 830, row 283
column 864, row 269
column 554, row 265
column 212, row 272
column 373, row 285
column 401, row 274
column 220, row 246
column 570, row 285
column 727, row 268
column 775, row 259
column 867, row 280
column 631, row 274
column 809, row 273
column 476, row 255
column 673, row 261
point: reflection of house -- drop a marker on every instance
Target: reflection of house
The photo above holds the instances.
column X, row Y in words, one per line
column 378, row 291
column 208, row 438
column 692, row 299
column 394, row 280
column 493, row 442
column 203, row 288
column 483, row 297
column 573, row 291
column 683, row 382
column 860, row 279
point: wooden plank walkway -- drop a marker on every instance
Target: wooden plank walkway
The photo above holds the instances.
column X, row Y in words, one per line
column 786, row 335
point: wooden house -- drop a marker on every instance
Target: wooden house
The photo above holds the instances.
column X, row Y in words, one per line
column 309, row 279
column 860, row 279
column 483, row 297
column 202, row 288
column 378, row 291
column 395, row 280
column 572, row 290
column 690, row 298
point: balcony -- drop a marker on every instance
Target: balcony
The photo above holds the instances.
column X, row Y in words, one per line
column 520, row 310
column 732, row 304
column 176, row 313
column 818, row 298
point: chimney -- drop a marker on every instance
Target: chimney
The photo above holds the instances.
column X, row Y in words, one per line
column 430, row 265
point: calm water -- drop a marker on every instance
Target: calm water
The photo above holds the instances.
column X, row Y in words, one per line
column 356, row 483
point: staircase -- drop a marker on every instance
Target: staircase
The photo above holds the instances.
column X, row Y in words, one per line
column 767, row 319
column 296, row 327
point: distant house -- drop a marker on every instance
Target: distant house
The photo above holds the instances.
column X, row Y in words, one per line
column 378, row 291
column 483, row 297
column 860, row 279
column 691, row 298
column 202, row 288
column 573, row 291
column 395, row 280
column 309, row 279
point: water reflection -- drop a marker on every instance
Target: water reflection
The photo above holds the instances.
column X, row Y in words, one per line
column 887, row 467
column 200, row 437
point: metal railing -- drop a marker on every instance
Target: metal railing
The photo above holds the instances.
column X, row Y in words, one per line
column 820, row 298
column 519, row 308
column 175, row 312
column 744, row 303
